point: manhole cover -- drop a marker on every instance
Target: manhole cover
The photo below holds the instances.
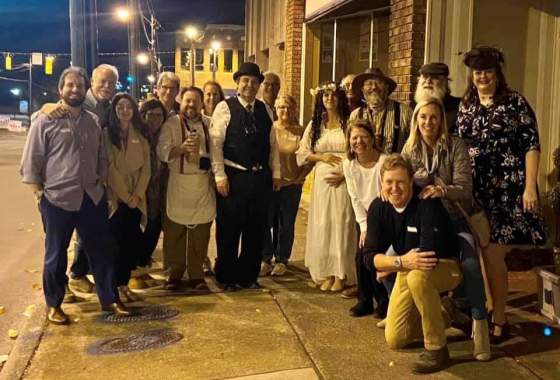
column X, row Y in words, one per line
column 137, row 342
column 152, row 313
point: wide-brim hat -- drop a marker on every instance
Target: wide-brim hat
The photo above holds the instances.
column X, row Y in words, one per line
column 483, row 58
column 249, row 68
column 372, row 73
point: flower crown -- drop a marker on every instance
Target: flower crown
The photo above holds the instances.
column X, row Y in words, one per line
column 324, row 87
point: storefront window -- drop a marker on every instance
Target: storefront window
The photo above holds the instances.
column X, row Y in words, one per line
column 185, row 59
column 228, row 60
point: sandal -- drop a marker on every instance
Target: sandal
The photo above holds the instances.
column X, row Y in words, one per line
column 505, row 335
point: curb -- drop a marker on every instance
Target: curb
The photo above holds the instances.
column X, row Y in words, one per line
column 25, row 346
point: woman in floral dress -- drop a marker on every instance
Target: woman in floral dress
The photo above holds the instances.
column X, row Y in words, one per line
column 500, row 128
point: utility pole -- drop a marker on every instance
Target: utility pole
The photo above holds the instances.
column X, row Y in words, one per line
column 83, row 33
column 30, row 107
column 133, row 46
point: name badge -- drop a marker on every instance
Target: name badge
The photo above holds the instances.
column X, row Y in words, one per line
column 135, row 141
column 65, row 130
column 412, row 229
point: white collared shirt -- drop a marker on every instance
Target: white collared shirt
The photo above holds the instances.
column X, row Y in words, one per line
column 220, row 120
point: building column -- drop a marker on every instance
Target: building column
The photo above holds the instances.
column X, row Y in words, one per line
column 407, row 30
column 295, row 13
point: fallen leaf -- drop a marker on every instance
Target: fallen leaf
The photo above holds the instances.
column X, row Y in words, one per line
column 2, row 310
column 36, row 286
column 29, row 310
column 258, row 310
column 391, row 364
column 3, row 359
column 32, row 270
column 13, row 334
column 19, row 229
column 76, row 319
column 29, row 230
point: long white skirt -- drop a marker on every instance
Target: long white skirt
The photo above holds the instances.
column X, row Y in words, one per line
column 331, row 241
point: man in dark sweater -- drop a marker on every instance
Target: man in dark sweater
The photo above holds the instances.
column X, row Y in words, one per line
column 420, row 233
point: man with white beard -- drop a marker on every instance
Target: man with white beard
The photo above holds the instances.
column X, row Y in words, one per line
column 433, row 82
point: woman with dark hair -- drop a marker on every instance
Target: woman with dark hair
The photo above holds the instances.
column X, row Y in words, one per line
column 129, row 173
column 154, row 115
column 500, row 128
column 331, row 233
column 363, row 180
column 213, row 94
column 442, row 169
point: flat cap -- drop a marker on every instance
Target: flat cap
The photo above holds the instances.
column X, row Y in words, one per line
column 434, row 68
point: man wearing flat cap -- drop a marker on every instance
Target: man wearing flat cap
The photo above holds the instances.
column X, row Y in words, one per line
column 433, row 82
column 390, row 119
column 244, row 160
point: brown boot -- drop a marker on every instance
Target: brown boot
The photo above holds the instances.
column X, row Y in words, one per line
column 56, row 316
column 432, row 361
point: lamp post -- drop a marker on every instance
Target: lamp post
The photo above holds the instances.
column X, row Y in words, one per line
column 192, row 34
column 216, row 45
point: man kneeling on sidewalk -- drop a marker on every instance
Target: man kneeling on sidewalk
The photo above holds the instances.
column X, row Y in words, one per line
column 421, row 235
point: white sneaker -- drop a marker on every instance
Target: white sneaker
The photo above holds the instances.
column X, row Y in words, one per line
column 266, row 269
column 279, row 269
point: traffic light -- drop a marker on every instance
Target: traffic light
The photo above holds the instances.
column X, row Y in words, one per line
column 8, row 59
column 130, row 79
column 49, row 60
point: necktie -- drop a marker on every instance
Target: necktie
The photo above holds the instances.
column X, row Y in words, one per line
column 250, row 128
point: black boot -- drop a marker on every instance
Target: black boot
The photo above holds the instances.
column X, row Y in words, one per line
column 361, row 309
column 432, row 361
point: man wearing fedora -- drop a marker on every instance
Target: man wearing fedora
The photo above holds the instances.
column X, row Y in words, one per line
column 433, row 82
column 244, row 160
column 390, row 119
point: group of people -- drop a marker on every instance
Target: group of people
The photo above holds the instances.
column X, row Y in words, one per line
column 391, row 214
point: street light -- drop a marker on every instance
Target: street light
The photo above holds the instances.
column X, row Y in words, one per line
column 123, row 14
column 143, row 58
column 216, row 46
column 192, row 34
column 151, row 78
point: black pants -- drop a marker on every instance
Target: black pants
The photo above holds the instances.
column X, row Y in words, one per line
column 368, row 287
column 91, row 223
column 150, row 238
column 127, row 238
column 242, row 214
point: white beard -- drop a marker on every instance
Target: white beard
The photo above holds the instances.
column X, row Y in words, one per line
column 425, row 93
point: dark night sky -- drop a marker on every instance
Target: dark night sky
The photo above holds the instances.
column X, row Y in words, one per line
column 43, row 26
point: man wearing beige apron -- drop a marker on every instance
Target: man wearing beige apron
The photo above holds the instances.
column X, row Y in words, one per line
column 191, row 201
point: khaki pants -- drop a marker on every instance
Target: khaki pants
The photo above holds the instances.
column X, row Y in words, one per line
column 415, row 306
column 178, row 239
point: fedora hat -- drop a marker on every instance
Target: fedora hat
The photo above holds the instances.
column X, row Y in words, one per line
column 249, row 68
column 372, row 73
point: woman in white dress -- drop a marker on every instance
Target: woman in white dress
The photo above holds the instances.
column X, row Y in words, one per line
column 331, row 231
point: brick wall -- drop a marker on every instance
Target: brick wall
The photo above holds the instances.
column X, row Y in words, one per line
column 407, row 29
column 295, row 12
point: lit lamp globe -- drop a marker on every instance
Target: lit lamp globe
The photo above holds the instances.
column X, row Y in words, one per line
column 122, row 14
column 143, row 58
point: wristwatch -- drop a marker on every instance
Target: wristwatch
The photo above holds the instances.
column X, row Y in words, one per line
column 398, row 262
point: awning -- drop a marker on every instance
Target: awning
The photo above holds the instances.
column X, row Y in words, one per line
column 316, row 10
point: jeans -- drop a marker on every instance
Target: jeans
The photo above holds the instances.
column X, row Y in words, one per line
column 473, row 284
column 281, row 221
column 92, row 225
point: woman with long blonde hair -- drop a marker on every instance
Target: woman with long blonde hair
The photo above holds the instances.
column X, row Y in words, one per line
column 442, row 169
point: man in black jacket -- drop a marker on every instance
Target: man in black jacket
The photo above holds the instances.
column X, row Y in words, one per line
column 420, row 233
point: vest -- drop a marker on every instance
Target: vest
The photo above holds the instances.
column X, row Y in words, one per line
column 247, row 141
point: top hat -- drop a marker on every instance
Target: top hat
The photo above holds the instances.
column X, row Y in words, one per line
column 249, row 68
column 483, row 58
column 372, row 73
column 434, row 68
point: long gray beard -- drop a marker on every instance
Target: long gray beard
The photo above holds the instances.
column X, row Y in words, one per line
column 423, row 94
column 375, row 99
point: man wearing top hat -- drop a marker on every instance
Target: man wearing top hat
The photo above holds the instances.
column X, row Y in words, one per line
column 433, row 82
column 390, row 119
column 244, row 160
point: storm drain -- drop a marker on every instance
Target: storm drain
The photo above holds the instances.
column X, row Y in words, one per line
column 146, row 340
column 151, row 313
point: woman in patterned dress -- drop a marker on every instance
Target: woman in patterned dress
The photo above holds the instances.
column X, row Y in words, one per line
column 331, row 234
column 500, row 129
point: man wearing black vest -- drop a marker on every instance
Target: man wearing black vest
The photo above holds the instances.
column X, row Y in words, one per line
column 244, row 160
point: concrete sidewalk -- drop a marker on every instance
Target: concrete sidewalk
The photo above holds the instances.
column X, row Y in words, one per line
column 287, row 330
